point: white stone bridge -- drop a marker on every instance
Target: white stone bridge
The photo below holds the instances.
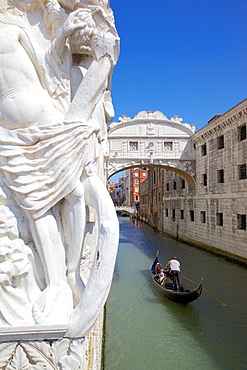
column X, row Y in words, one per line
column 151, row 139
column 126, row 209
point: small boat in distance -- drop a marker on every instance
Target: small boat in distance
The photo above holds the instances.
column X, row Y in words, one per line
column 185, row 296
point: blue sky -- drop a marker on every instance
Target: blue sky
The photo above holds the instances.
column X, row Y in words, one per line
column 182, row 57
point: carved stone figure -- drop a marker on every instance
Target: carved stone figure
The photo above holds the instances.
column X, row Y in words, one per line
column 56, row 61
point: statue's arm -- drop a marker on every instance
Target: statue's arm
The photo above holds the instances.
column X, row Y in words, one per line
column 33, row 50
column 97, row 79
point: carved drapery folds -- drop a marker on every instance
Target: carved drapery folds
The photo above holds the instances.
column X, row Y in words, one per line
column 58, row 226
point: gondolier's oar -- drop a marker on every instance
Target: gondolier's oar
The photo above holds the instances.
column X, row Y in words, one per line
column 205, row 290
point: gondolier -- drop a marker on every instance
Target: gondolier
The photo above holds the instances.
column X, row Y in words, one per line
column 174, row 266
column 184, row 296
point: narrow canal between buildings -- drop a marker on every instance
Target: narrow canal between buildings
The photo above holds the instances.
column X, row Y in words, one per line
column 145, row 331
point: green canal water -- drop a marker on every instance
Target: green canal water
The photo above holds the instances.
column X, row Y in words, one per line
column 145, row 331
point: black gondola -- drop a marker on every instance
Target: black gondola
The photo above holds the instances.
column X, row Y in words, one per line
column 185, row 296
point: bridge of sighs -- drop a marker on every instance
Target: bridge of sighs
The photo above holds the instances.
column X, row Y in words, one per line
column 151, row 139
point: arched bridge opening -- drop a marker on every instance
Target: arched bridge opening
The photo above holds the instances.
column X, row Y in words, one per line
column 150, row 139
column 189, row 176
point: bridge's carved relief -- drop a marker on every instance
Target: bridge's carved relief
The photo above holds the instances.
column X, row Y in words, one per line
column 151, row 139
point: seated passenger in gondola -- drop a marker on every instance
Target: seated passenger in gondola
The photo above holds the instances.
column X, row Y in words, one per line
column 161, row 275
column 167, row 282
column 158, row 268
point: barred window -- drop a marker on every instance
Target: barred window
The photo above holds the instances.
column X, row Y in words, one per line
column 220, row 176
column 242, row 171
column 204, row 150
column 241, row 222
column 219, row 217
column 133, row 145
column 242, row 132
column 167, row 145
column 205, row 179
column 203, row 217
column 220, row 142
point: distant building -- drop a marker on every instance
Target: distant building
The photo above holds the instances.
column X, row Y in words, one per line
column 118, row 197
column 151, row 195
column 126, row 188
column 111, row 190
column 137, row 176
column 213, row 210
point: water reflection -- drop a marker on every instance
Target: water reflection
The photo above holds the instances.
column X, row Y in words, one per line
column 144, row 330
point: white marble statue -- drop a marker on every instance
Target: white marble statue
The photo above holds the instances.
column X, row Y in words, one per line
column 56, row 62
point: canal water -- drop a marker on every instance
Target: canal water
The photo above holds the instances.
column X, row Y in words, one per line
column 145, row 331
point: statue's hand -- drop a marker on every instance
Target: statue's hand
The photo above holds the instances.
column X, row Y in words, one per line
column 94, row 127
column 77, row 20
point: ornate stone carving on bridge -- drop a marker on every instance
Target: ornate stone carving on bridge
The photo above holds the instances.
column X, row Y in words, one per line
column 151, row 139
column 58, row 226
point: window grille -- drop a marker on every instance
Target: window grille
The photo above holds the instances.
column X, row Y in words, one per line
column 242, row 171
column 241, row 222
column 173, row 215
column 133, row 145
column 167, row 145
column 204, row 150
column 203, row 217
column 220, row 142
column 219, row 219
column 220, row 176
column 242, row 132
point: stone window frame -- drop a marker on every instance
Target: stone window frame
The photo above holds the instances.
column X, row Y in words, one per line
column 219, row 219
column 242, row 171
column 204, row 150
column 220, row 176
column 204, row 179
column 174, row 185
column 167, row 212
column 203, row 217
column 173, row 214
column 241, row 222
column 220, row 142
column 133, row 146
column 166, row 146
column 242, row 134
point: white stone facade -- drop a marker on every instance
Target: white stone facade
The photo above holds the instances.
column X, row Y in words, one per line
column 213, row 211
column 151, row 139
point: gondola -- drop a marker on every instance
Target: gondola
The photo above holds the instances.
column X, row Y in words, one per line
column 185, row 296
